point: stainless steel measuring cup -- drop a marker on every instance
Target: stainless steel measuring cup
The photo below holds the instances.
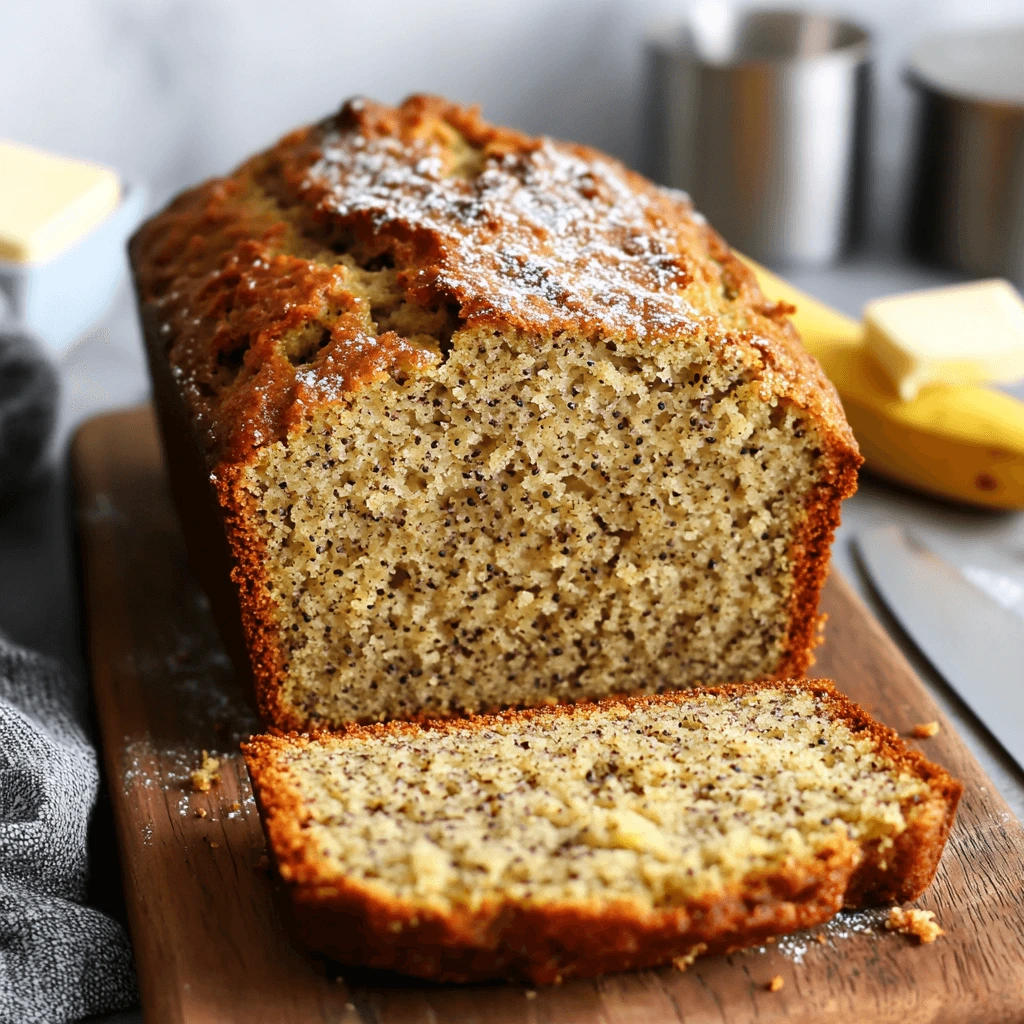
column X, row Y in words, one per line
column 761, row 116
column 967, row 187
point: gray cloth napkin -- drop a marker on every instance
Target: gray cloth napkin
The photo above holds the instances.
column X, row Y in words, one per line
column 60, row 960
column 28, row 408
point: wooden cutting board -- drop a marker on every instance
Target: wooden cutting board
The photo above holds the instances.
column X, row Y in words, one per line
column 211, row 945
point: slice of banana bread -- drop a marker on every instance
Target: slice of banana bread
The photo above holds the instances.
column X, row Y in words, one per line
column 581, row 839
column 489, row 421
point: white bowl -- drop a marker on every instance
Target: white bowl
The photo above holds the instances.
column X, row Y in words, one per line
column 61, row 298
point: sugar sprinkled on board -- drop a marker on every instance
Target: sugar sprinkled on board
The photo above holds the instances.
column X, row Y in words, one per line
column 845, row 925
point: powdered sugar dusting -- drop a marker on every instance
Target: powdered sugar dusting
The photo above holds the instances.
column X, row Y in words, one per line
column 541, row 235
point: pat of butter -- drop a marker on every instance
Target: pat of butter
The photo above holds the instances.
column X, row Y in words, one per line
column 962, row 334
column 47, row 202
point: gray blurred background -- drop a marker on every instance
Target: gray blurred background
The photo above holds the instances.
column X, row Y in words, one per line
column 173, row 91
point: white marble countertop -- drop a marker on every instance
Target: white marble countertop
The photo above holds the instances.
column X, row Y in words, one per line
column 38, row 602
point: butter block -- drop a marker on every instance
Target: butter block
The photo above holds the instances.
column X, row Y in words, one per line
column 962, row 334
column 48, row 202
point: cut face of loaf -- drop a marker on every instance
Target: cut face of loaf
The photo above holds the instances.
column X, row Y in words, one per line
column 591, row 838
column 490, row 420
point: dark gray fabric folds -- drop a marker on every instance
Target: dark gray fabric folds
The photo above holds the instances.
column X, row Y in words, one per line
column 60, row 960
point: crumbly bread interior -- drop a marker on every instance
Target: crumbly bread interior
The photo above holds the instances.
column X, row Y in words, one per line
column 654, row 802
column 532, row 519
column 493, row 422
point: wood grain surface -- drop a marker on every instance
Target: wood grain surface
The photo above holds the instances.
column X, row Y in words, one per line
column 211, row 945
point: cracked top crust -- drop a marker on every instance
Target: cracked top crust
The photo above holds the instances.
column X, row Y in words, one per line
column 257, row 280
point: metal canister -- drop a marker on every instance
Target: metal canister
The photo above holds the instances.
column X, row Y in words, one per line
column 762, row 118
column 967, row 188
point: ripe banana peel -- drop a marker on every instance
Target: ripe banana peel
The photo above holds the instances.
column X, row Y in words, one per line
column 964, row 443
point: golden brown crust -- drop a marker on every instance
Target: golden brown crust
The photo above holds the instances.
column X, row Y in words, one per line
column 355, row 923
column 225, row 557
column 810, row 557
column 539, row 236
column 545, row 945
column 504, row 230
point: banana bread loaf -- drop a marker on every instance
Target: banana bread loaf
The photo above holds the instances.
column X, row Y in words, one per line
column 596, row 837
column 458, row 419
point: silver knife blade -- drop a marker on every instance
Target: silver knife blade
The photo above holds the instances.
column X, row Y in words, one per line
column 976, row 645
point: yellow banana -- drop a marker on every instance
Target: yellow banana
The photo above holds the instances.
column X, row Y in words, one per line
column 964, row 443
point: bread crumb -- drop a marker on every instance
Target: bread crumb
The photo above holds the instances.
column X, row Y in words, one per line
column 921, row 923
column 819, row 630
column 207, row 774
column 776, row 983
column 680, row 963
column 530, row 994
column 214, row 846
column 201, row 812
column 234, row 806
column 820, row 939
column 924, row 730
